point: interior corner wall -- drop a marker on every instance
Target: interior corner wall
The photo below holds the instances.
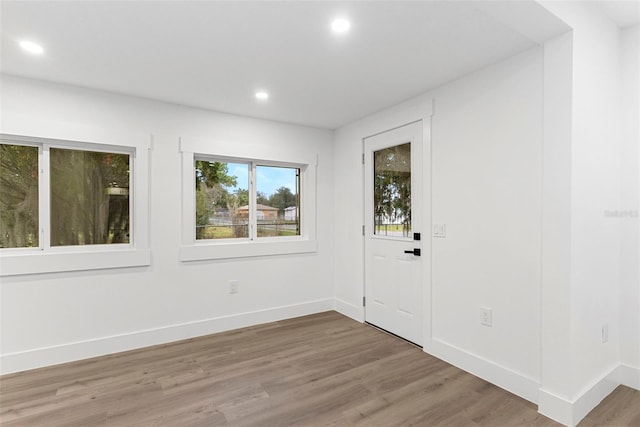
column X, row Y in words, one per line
column 555, row 354
column 584, row 339
column 486, row 152
column 52, row 318
column 630, row 205
column 596, row 154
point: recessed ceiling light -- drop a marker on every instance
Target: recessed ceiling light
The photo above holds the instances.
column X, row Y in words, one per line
column 340, row 25
column 31, row 47
column 262, row 95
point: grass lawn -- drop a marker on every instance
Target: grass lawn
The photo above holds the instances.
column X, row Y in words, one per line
column 218, row 232
column 389, row 227
column 222, row 232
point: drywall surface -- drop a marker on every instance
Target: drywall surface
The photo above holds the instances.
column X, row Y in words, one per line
column 485, row 177
column 555, row 291
column 629, row 216
column 583, row 317
column 52, row 318
column 595, row 243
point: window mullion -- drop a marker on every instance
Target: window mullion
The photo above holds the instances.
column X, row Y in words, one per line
column 44, row 198
column 298, row 204
column 253, row 212
column 132, row 195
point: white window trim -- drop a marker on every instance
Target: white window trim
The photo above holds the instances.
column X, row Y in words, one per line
column 200, row 250
column 46, row 259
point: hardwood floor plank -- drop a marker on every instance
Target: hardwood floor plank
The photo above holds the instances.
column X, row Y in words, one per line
column 319, row 370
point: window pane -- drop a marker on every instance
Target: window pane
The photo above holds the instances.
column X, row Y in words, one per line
column 18, row 196
column 222, row 200
column 89, row 197
column 278, row 201
column 392, row 191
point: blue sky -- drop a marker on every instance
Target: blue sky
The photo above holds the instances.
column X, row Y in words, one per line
column 269, row 178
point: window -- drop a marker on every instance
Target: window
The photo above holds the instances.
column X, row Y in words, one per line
column 63, row 200
column 89, row 197
column 225, row 209
column 277, row 201
column 236, row 206
column 392, row 191
column 222, row 199
column 19, row 198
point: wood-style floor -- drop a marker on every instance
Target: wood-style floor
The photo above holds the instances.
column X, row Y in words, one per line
column 319, row 370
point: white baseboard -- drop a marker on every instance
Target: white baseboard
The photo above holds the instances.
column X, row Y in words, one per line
column 571, row 411
column 37, row 358
column 629, row 376
column 349, row 310
column 510, row 380
column 555, row 407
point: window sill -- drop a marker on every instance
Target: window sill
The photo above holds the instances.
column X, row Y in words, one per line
column 47, row 262
column 209, row 251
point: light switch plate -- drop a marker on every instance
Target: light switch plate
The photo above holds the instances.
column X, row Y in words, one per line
column 440, row 230
column 486, row 316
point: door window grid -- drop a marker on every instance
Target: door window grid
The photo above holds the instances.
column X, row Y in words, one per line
column 392, row 191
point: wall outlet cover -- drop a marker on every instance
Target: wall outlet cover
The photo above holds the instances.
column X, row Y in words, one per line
column 486, row 316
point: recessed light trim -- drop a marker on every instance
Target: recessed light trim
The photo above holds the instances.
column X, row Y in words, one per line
column 31, row 47
column 340, row 25
column 262, row 95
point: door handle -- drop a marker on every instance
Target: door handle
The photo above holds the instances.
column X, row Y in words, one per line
column 415, row 252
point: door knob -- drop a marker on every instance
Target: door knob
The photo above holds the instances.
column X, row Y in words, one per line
column 415, row 251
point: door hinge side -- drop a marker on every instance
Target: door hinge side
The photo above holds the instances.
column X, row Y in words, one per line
column 363, row 230
column 364, row 301
column 363, row 158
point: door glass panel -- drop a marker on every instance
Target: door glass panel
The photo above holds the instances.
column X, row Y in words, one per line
column 392, row 191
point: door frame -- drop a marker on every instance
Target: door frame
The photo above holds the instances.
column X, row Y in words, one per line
column 426, row 226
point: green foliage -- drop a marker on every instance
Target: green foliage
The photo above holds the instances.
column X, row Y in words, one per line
column 261, row 198
column 213, row 173
column 212, row 193
column 392, row 185
column 282, row 198
column 241, row 198
column 18, row 196
column 84, row 210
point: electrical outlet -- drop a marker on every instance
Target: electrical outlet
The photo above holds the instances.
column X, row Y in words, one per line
column 233, row 286
column 486, row 316
column 605, row 332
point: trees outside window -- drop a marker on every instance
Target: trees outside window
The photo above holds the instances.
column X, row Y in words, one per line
column 86, row 196
column 218, row 199
column 392, row 190
column 226, row 209
column 19, row 198
column 282, row 184
column 89, row 197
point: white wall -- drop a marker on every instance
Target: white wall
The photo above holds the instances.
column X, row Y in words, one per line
column 529, row 157
column 556, row 340
column 52, row 318
column 630, row 204
column 486, row 150
column 579, row 368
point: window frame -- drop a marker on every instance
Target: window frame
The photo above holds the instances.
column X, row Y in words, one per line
column 192, row 249
column 209, row 158
column 51, row 259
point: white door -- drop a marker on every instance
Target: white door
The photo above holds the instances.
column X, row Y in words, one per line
column 393, row 265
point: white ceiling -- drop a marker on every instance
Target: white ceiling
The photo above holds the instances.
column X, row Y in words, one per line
column 215, row 55
column 624, row 13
